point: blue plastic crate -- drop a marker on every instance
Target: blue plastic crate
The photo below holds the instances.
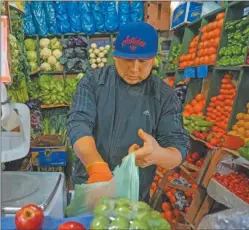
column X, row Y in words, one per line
column 186, row 13
column 8, row 223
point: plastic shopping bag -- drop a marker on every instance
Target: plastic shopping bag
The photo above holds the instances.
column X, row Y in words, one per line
column 28, row 24
column 124, row 184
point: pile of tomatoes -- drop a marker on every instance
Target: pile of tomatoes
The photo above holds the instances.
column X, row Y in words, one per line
column 207, row 48
column 235, row 182
column 220, row 107
column 195, row 159
column 196, row 106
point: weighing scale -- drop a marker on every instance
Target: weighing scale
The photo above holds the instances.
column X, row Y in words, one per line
column 46, row 189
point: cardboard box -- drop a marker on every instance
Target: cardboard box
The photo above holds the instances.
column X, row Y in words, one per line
column 157, row 14
column 186, row 13
column 48, row 151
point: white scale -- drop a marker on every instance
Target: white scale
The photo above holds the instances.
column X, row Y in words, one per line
column 46, row 189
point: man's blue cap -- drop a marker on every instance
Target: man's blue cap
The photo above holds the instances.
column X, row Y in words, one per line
column 137, row 40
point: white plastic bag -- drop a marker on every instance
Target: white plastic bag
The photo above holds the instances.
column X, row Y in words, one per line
column 124, row 184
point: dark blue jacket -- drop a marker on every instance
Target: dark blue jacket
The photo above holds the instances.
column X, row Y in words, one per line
column 110, row 110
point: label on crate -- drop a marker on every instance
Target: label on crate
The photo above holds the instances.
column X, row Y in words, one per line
column 189, row 72
column 202, row 71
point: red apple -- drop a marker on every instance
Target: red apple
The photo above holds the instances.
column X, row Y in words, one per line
column 190, row 160
column 71, row 225
column 29, row 217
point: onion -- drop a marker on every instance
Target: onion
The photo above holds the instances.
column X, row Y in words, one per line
column 93, row 46
column 107, row 47
column 90, row 51
column 93, row 66
column 104, row 60
column 92, row 55
column 93, row 61
column 98, row 60
column 96, row 51
column 101, row 55
column 101, row 65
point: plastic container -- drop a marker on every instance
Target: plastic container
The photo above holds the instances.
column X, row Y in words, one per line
column 8, row 223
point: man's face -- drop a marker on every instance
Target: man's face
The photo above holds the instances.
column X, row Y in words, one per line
column 133, row 71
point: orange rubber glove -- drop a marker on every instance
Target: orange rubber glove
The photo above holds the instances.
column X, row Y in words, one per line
column 99, row 172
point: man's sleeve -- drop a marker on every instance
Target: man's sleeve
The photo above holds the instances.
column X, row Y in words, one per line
column 170, row 128
column 81, row 118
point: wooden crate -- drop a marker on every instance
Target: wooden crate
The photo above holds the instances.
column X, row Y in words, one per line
column 157, row 13
column 191, row 170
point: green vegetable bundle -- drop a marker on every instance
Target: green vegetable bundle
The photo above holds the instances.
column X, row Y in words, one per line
column 244, row 151
column 196, row 123
column 237, row 43
column 30, row 45
column 52, row 90
column 50, row 53
column 55, row 122
column 34, row 89
column 20, row 69
column 174, row 57
column 71, row 85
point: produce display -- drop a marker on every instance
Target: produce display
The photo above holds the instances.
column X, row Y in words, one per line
column 233, row 54
column 98, row 55
column 174, row 57
column 210, row 39
column 237, row 183
column 50, row 54
column 177, row 199
column 195, row 107
column 31, row 48
column 52, row 90
column 244, row 151
column 195, row 158
column 220, row 106
column 124, row 214
column 19, row 66
column 241, row 128
column 75, row 57
column 196, row 123
column 187, row 60
column 247, row 59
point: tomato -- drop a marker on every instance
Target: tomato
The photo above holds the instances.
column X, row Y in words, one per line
column 71, row 225
column 195, row 156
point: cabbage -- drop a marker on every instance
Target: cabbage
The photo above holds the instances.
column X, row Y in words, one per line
column 44, row 43
column 55, row 44
column 30, row 44
column 33, row 66
column 32, row 56
column 45, row 67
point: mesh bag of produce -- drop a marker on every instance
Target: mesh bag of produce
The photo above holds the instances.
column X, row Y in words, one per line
column 124, row 184
column 122, row 213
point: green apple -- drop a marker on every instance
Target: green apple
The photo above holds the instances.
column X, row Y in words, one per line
column 123, row 211
column 139, row 205
column 159, row 224
column 99, row 223
column 138, row 224
column 122, row 202
column 119, row 223
column 140, row 214
column 155, row 215
column 102, row 209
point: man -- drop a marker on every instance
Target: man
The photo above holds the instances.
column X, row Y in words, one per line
column 123, row 108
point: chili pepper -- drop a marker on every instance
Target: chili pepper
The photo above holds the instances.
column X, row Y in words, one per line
column 246, row 31
column 203, row 123
column 232, row 142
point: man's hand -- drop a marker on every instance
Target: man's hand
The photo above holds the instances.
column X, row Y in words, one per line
column 144, row 155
